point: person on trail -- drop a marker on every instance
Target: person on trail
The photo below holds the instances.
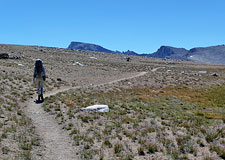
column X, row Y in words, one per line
column 128, row 59
column 39, row 78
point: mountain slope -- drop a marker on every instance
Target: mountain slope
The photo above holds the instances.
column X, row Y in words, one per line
column 213, row 54
column 170, row 53
column 97, row 48
column 89, row 47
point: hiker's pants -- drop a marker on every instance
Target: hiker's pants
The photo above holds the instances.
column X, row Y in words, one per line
column 39, row 82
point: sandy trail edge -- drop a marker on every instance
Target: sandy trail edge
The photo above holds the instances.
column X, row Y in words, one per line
column 57, row 141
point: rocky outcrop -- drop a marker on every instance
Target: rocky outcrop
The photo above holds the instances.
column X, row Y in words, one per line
column 88, row 46
column 4, row 55
column 170, row 53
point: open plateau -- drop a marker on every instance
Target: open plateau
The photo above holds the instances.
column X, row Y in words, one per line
column 160, row 109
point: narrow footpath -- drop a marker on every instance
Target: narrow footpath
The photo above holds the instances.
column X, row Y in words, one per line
column 57, row 142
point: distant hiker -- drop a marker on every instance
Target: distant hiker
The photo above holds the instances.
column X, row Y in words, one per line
column 39, row 78
column 128, row 59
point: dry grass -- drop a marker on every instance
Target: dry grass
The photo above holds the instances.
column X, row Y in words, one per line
column 17, row 134
column 146, row 123
column 162, row 115
column 210, row 101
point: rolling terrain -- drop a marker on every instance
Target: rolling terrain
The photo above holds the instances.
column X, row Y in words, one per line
column 159, row 108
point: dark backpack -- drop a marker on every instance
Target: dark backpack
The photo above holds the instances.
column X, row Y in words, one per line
column 38, row 66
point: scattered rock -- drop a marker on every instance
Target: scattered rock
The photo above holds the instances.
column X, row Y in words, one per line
column 215, row 74
column 19, row 64
column 141, row 153
column 180, row 133
column 59, row 79
column 96, row 108
column 177, row 101
column 4, row 55
column 78, row 63
column 93, row 57
column 202, row 72
column 169, row 63
column 14, row 57
column 129, row 83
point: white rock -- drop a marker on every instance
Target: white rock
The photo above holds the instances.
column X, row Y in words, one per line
column 202, row 72
column 96, row 108
column 20, row 65
column 78, row 63
column 93, row 57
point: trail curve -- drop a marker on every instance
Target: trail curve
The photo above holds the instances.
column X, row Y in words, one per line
column 57, row 142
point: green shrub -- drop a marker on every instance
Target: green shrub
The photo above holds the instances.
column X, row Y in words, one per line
column 219, row 150
column 107, row 143
column 152, row 148
column 141, row 151
column 74, row 131
column 87, row 146
column 118, row 148
column 5, row 150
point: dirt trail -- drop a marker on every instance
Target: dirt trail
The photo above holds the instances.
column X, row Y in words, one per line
column 155, row 69
column 57, row 141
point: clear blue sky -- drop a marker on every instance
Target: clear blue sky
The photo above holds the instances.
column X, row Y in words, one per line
column 138, row 25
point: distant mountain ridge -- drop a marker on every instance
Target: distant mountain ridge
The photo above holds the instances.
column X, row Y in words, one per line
column 96, row 48
column 212, row 54
column 170, row 53
column 89, row 47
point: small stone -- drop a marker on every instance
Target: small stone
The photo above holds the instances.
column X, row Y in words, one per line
column 202, row 72
column 215, row 74
column 59, row 79
column 4, row 55
column 182, row 72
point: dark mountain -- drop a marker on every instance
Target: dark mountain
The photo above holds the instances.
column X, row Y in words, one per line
column 96, row 48
column 170, row 53
column 128, row 52
column 89, row 47
column 213, row 54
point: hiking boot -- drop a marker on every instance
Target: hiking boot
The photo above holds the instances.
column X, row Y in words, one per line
column 39, row 97
column 42, row 98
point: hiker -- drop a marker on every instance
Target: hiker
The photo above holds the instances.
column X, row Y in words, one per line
column 39, row 78
column 128, row 59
